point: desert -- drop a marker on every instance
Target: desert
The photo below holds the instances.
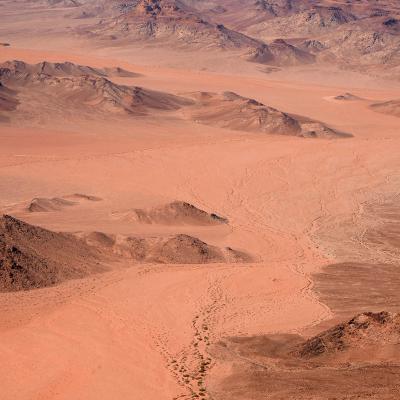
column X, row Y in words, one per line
column 199, row 199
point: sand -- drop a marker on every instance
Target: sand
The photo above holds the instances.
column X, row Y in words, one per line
column 145, row 331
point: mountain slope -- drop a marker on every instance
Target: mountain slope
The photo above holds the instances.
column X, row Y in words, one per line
column 176, row 24
column 229, row 110
column 74, row 86
column 33, row 257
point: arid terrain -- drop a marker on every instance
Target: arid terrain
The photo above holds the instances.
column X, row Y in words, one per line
column 199, row 199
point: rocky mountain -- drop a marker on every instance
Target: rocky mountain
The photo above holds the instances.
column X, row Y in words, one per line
column 310, row 21
column 174, row 213
column 365, row 332
column 33, row 257
column 284, row 33
column 175, row 23
column 170, row 20
column 229, row 110
column 362, row 35
column 77, row 86
column 173, row 249
column 8, row 102
column 66, row 88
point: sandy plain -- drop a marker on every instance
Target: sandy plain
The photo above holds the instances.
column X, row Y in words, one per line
column 143, row 331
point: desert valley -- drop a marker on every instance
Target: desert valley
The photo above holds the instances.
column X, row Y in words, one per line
column 200, row 199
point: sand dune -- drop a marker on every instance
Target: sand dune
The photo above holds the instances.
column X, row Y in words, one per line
column 32, row 257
